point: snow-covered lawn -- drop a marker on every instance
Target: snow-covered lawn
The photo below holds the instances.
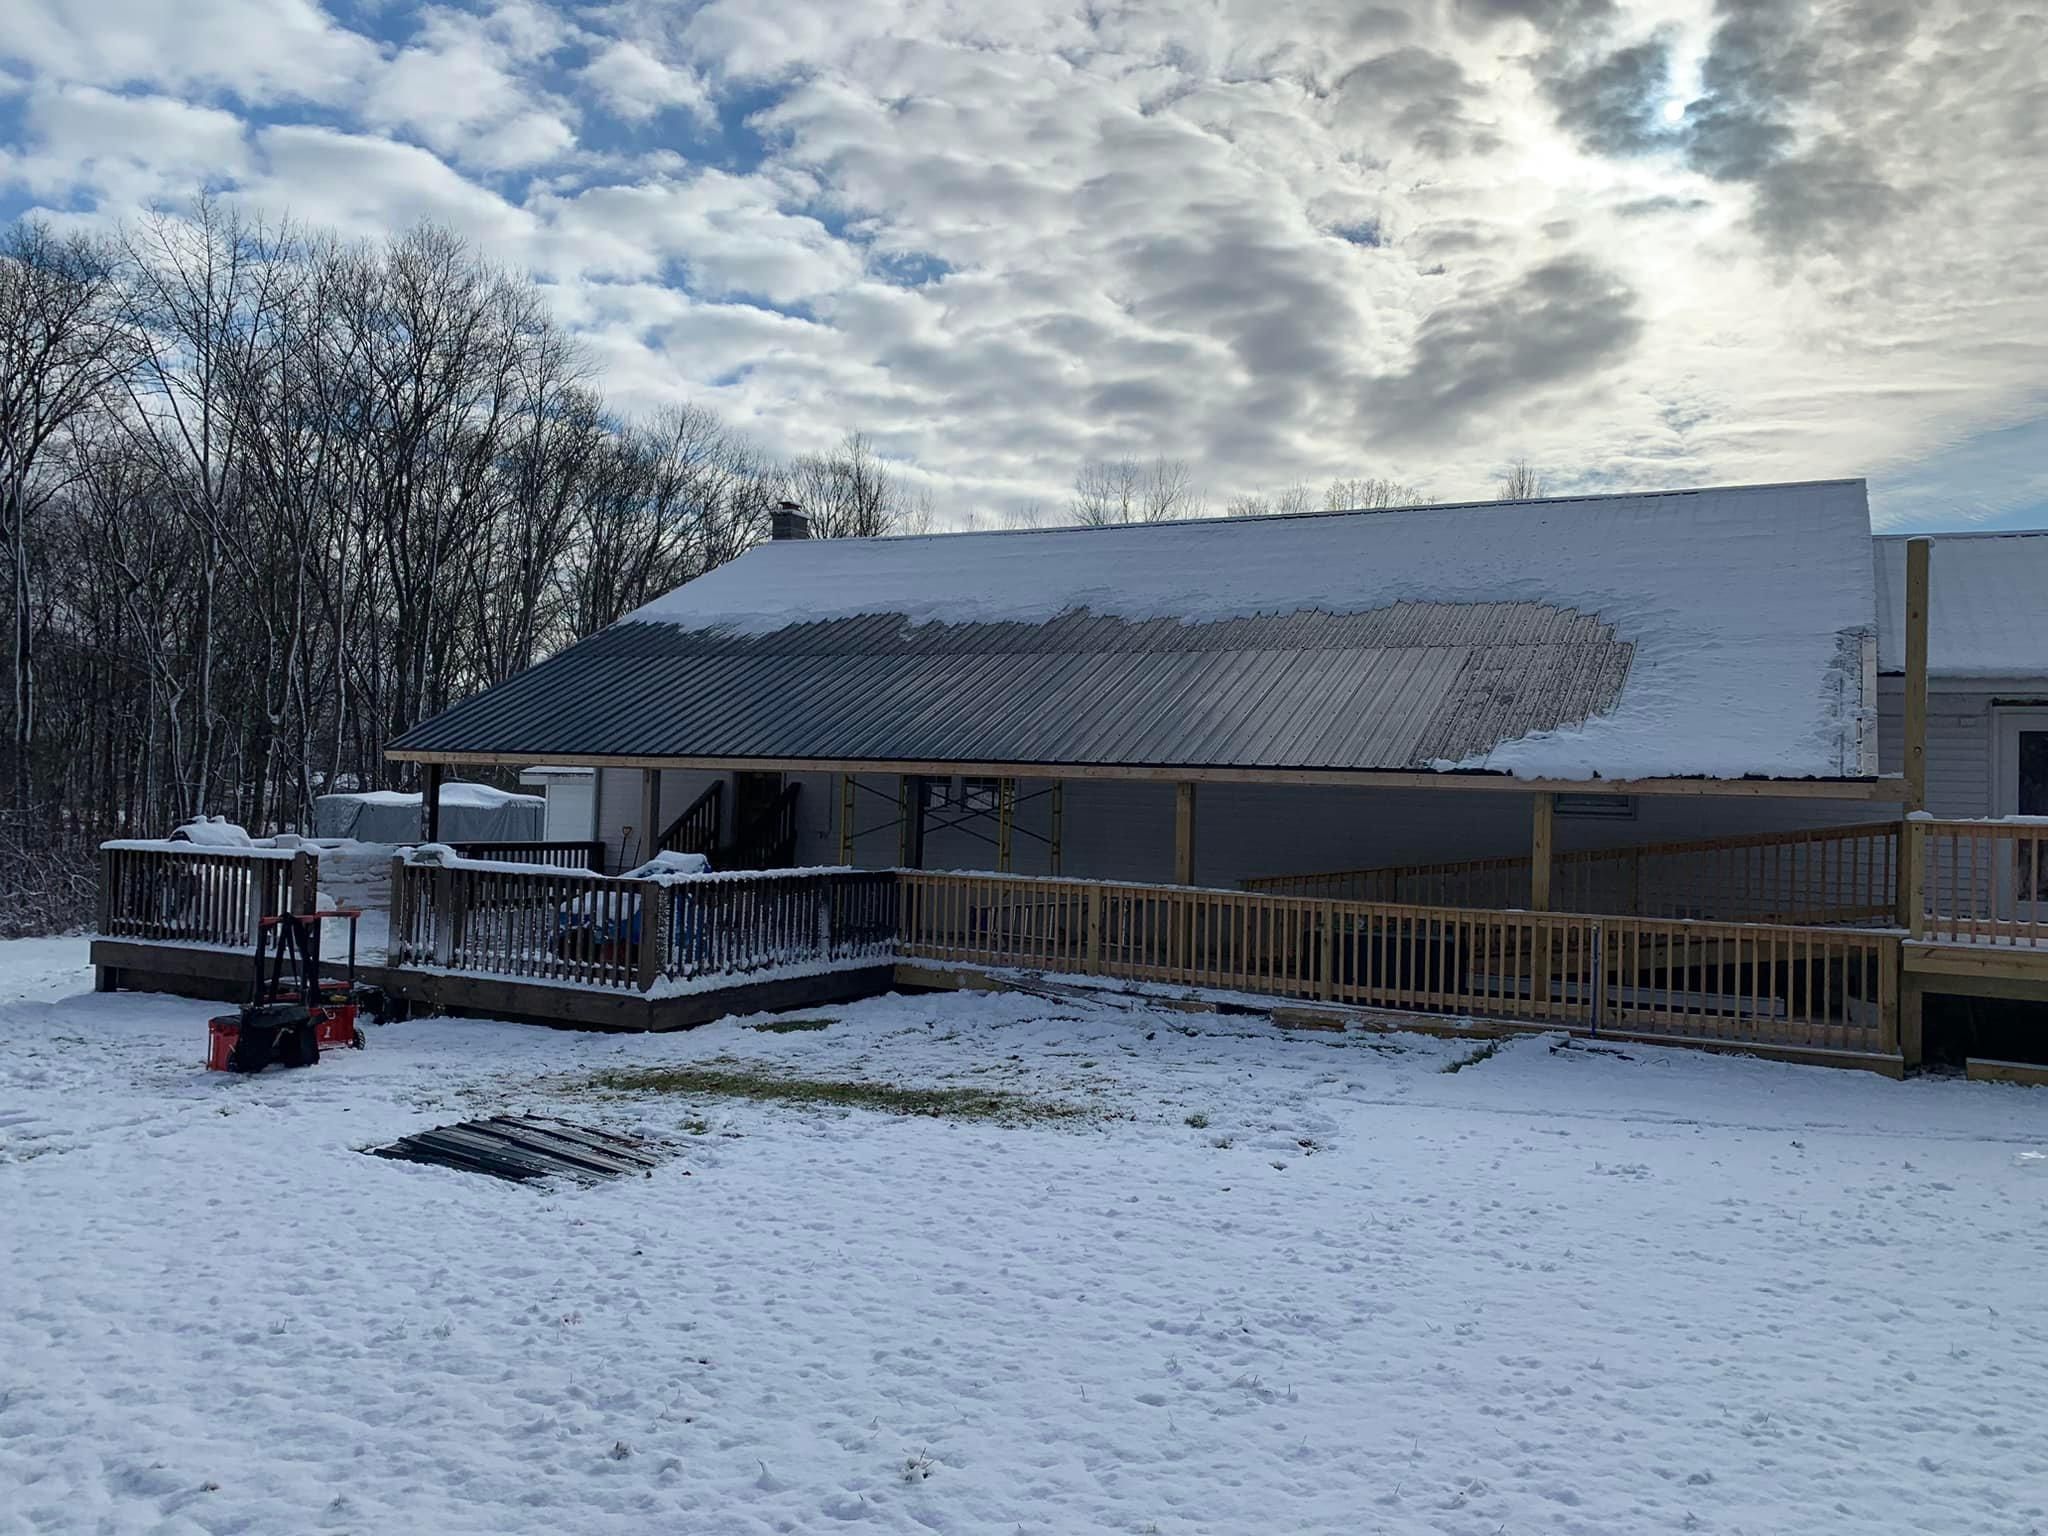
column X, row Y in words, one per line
column 1270, row 1283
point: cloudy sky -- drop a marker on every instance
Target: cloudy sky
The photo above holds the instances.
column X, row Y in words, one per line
column 1668, row 243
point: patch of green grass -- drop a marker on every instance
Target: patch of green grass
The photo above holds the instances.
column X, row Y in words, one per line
column 792, row 1026
column 1474, row 1057
column 735, row 1080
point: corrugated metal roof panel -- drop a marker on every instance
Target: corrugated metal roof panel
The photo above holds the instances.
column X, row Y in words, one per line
column 1386, row 689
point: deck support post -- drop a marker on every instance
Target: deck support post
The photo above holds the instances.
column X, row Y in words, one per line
column 1912, row 991
column 1006, row 820
column 904, row 796
column 1916, row 673
column 1059, row 824
column 1541, row 828
column 1184, row 833
column 1541, row 839
column 846, row 820
column 650, row 815
column 430, row 802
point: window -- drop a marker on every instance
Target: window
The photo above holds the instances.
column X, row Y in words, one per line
column 980, row 796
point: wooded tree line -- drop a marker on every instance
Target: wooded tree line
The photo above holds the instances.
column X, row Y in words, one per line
column 268, row 498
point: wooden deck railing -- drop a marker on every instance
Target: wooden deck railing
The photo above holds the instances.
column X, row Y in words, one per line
column 1980, row 882
column 1824, row 876
column 206, row 897
column 1829, row 988
column 631, row 935
column 562, row 853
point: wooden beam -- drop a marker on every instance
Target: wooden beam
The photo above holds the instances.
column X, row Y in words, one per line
column 846, row 819
column 903, row 809
column 1006, row 818
column 1917, row 551
column 1884, row 791
column 1937, row 959
column 650, row 814
column 1059, row 825
column 1184, row 833
column 1542, row 839
column 1912, row 878
column 430, row 801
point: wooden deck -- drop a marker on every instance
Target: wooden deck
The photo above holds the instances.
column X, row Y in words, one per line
column 565, row 946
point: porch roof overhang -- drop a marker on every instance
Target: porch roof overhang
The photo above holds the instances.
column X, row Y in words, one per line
column 1887, row 790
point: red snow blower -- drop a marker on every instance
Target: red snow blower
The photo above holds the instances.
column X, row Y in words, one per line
column 292, row 1014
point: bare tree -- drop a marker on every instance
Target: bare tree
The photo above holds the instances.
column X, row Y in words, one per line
column 1522, row 482
column 848, row 493
column 1282, row 503
column 59, row 350
column 1369, row 494
column 1111, row 491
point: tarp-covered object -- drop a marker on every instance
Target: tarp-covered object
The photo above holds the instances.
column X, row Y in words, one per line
column 470, row 813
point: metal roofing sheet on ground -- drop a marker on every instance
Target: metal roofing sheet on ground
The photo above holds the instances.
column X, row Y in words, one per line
column 1713, row 633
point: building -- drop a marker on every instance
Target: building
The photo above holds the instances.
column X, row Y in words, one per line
column 1226, row 700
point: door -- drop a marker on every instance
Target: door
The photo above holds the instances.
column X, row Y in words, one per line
column 753, row 795
column 2019, row 740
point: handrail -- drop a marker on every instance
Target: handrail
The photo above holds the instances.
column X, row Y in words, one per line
column 1980, row 882
column 197, row 895
column 531, row 924
column 1823, row 987
column 1822, row 875
column 696, row 829
column 769, row 836
column 568, row 853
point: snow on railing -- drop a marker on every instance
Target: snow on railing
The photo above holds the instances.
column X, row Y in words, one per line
column 188, row 893
column 664, row 932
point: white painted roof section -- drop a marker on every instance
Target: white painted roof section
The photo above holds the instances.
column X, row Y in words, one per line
column 1750, row 608
column 1987, row 610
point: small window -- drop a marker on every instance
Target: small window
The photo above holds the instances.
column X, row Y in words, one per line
column 980, row 796
column 1598, row 807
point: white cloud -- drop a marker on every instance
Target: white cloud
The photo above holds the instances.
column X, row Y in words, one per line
column 257, row 50
column 1286, row 243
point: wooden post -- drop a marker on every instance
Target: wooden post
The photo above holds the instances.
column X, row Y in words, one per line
column 846, row 791
column 305, row 882
column 653, row 898
column 1094, row 930
column 1911, row 992
column 1540, row 842
column 397, row 940
column 1184, row 833
column 1916, row 673
column 650, row 815
column 903, row 799
column 441, row 888
column 1912, row 915
column 1006, row 817
column 430, row 802
column 1059, row 823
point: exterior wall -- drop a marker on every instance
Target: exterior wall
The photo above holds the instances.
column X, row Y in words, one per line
column 1125, row 830
column 1960, row 742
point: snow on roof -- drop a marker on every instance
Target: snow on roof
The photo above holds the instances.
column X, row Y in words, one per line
column 481, row 797
column 1747, row 606
column 1987, row 610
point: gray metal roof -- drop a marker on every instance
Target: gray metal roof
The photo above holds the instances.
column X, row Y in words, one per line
column 1714, row 633
column 1391, row 688
column 1987, row 608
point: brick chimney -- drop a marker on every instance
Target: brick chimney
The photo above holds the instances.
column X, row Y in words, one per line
column 788, row 522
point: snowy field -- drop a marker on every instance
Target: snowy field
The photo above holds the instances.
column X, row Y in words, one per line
column 1265, row 1283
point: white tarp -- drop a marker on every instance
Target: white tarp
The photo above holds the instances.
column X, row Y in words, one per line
column 470, row 813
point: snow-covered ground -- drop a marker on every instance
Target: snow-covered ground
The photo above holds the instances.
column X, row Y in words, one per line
column 1271, row 1283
